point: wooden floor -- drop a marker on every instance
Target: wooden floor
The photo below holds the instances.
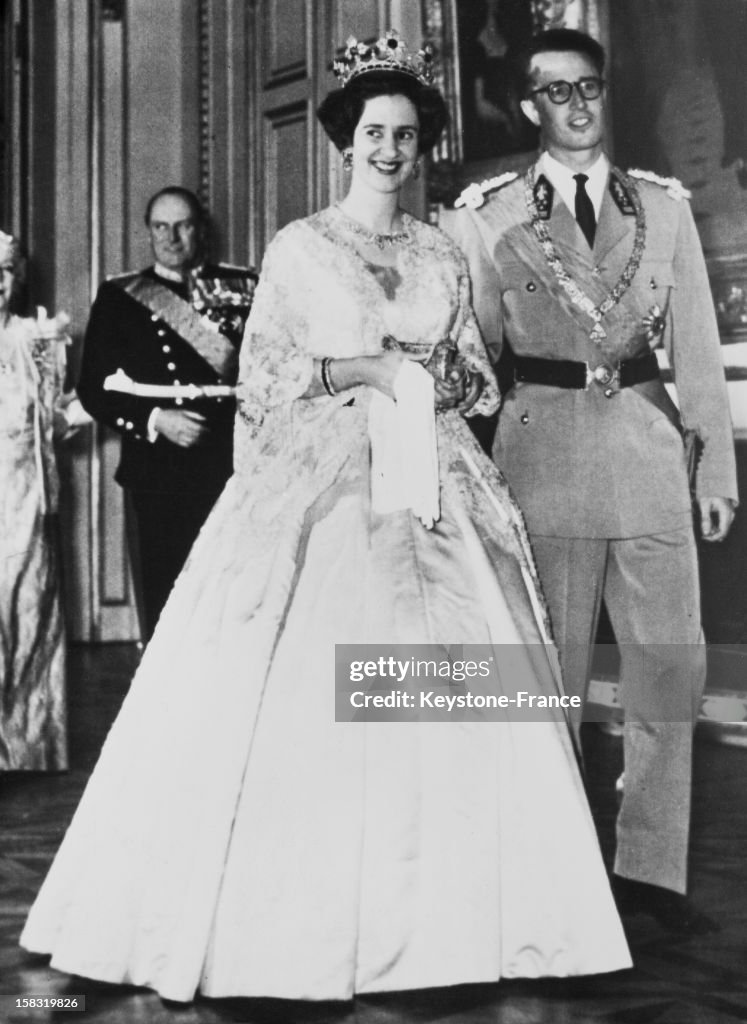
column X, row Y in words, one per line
column 675, row 981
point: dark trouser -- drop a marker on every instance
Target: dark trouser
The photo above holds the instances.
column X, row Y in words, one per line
column 166, row 526
column 650, row 586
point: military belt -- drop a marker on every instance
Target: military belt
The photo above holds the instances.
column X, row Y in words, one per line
column 567, row 373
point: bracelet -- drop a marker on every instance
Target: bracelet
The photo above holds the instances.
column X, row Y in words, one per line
column 326, row 380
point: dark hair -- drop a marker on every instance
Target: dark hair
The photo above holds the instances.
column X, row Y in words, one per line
column 558, row 40
column 198, row 214
column 340, row 112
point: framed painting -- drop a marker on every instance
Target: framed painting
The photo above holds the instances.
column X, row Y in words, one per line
column 477, row 41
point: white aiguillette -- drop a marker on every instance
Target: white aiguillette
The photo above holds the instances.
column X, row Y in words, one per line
column 121, row 382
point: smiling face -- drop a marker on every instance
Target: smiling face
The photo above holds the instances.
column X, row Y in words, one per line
column 572, row 132
column 174, row 235
column 385, row 143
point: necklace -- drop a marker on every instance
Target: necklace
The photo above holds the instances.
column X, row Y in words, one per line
column 554, row 262
column 380, row 241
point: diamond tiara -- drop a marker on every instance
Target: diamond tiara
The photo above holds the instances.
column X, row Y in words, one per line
column 390, row 53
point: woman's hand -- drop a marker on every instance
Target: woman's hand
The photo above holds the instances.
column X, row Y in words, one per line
column 473, row 388
column 381, row 371
column 459, row 391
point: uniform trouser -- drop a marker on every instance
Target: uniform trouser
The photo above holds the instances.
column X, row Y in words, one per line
column 651, row 589
column 166, row 527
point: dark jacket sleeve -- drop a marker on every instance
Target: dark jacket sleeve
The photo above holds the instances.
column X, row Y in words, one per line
column 114, row 341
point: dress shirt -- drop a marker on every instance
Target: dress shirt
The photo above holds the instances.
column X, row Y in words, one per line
column 563, row 181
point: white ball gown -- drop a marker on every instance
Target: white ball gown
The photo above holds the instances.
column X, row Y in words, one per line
column 236, row 840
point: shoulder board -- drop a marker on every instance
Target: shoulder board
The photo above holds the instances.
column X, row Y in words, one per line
column 235, row 271
column 123, row 276
column 474, row 195
column 674, row 187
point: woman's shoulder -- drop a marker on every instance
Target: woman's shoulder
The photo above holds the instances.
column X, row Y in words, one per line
column 295, row 239
column 23, row 328
column 430, row 237
column 21, row 324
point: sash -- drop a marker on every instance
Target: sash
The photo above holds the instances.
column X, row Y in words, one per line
column 211, row 345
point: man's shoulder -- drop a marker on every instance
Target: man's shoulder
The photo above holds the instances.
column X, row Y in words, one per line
column 502, row 188
column 652, row 185
column 116, row 289
column 229, row 272
column 124, row 278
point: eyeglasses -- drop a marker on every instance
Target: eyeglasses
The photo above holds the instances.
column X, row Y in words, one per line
column 560, row 92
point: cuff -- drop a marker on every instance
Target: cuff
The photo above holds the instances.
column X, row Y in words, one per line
column 151, row 428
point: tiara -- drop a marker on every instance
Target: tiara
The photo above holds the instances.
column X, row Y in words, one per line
column 390, row 53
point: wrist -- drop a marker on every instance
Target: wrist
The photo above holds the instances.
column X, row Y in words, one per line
column 325, row 372
column 341, row 374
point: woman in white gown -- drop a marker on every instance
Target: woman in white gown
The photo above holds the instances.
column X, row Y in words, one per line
column 33, row 414
column 233, row 837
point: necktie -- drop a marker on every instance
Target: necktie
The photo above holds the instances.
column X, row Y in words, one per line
column 585, row 209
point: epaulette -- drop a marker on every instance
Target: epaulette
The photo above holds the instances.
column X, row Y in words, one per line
column 123, row 275
column 236, row 271
column 473, row 195
column 674, row 186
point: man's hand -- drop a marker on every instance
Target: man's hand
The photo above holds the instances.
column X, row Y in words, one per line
column 716, row 516
column 182, row 427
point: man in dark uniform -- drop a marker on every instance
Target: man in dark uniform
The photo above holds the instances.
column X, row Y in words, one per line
column 179, row 322
column 585, row 269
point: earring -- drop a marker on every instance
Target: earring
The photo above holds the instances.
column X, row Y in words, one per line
column 416, row 170
column 347, row 160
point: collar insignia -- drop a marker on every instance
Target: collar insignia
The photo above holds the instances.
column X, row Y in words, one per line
column 544, row 194
column 621, row 196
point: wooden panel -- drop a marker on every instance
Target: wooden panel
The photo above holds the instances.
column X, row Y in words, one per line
column 73, row 286
column 114, row 587
column 162, row 61
column 287, row 162
column 113, row 566
column 229, row 78
column 289, row 168
column 360, row 18
column 287, row 28
column 114, row 615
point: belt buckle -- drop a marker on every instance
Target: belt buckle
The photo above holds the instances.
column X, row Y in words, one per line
column 605, row 376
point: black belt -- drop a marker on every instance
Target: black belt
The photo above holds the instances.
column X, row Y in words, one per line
column 566, row 373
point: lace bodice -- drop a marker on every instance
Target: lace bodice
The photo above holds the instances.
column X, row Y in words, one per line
column 318, row 297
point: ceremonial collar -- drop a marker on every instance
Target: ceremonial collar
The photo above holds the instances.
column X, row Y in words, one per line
column 595, row 311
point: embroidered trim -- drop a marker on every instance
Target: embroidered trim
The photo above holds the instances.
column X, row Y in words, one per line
column 569, row 286
column 674, row 186
column 473, row 195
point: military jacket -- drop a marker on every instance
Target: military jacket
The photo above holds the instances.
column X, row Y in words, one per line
column 125, row 334
column 601, row 462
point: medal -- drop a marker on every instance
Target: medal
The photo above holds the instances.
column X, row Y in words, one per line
column 654, row 324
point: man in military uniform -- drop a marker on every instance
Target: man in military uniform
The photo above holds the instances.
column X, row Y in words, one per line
column 179, row 322
column 583, row 270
